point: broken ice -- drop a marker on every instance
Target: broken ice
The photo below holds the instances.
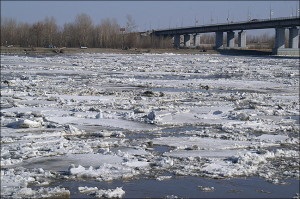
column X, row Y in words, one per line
column 118, row 117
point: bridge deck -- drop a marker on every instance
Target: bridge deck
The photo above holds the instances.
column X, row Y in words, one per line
column 224, row 27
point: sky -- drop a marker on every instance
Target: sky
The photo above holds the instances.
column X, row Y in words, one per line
column 149, row 15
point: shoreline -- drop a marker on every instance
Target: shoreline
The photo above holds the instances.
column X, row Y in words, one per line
column 56, row 51
column 68, row 51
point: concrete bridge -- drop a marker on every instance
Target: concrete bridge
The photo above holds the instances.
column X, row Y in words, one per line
column 279, row 24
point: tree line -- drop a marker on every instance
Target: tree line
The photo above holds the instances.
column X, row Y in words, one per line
column 82, row 32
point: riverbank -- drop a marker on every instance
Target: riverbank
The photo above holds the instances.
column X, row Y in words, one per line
column 53, row 51
column 69, row 51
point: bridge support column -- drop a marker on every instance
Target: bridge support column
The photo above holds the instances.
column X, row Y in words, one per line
column 196, row 40
column 219, row 40
column 279, row 38
column 187, row 40
column 176, row 41
column 293, row 37
column 230, row 39
column 242, row 39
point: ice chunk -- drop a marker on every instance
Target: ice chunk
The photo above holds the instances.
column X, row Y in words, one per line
column 206, row 189
column 56, row 192
column 165, row 162
column 25, row 192
column 104, row 133
column 74, row 171
column 106, row 172
column 26, row 123
column 161, row 178
column 99, row 115
column 110, row 193
column 73, row 130
column 102, row 193
column 270, row 138
column 87, row 190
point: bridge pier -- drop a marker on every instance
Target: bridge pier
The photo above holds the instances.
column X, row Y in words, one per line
column 293, row 37
column 292, row 48
column 187, row 40
column 219, row 40
column 230, row 39
column 196, row 40
column 279, row 38
column 242, row 39
column 176, row 41
column 279, row 45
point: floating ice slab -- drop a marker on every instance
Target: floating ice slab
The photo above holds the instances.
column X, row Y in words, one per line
column 202, row 143
column 203, row 153
column 117, row 123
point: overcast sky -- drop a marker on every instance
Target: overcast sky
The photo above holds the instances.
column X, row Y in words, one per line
column 149, row 14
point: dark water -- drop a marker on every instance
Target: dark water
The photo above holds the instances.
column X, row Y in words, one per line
column 188, row 187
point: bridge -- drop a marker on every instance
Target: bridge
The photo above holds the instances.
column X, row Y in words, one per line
column 279, row 24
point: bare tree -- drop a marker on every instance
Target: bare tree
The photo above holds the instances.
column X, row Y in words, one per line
column 110, row 33
column 36, row 31
column 97, row 36
column 68, row 35
column 8, row 31
column 23, row 31
column 81, row 32
column 260, row 41
column 207, row 38
column 83, row 28
column 130, row 24
column 50, row 31
column 130, row 39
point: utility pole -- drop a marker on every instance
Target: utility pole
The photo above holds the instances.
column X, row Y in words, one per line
column 248, row 15
column 170, row 19
column 271, row 12
column 298, row 12
column 181, row 21
column 228, row 17
column 196, row 21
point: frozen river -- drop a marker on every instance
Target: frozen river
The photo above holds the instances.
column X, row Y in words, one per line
column 149, row 125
